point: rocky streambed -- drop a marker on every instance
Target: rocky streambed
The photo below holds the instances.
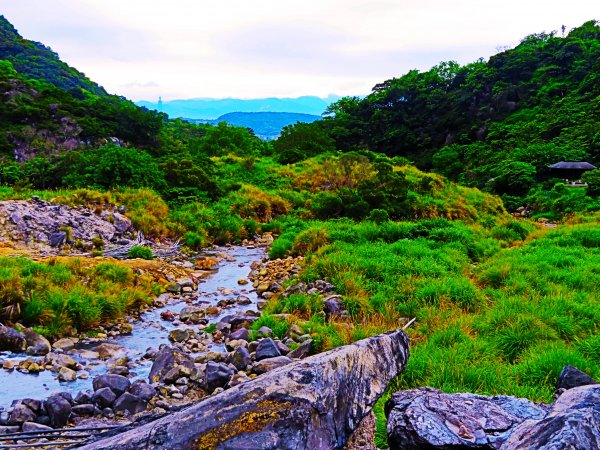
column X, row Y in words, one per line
column 128, row 349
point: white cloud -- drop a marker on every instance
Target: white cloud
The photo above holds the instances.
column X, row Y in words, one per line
column 189, row 48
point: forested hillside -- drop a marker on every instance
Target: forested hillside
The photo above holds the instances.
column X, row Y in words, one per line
column 492, row 124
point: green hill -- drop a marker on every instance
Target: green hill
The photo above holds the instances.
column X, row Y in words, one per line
column 35, row 60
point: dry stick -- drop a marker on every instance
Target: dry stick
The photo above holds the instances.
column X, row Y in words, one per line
column 409, row 323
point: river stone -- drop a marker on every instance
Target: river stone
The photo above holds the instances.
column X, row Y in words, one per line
column 429, row 418
column 65, row 343
column 36, row 343
column 104, row 397
column 142, row 390
column 21, row 413
column 571, row 377
column 267, row 348
column 32, row 426
column 59, row 360
column 265, row 332
column 573, row 422
column 241, row 358
column 11, row 340
column 315, row 403
column 129, row 403
column 85, row 409
column 66, row 374
column 167, row 359
column 266, row 365
column 117, row 383
column 302, row 351
column 33, row 404
column 242, row 333
column 106, row 351
column 179, row 335
column 194, row 314
column 84, row 397
column 59, row 410
column 216, row 375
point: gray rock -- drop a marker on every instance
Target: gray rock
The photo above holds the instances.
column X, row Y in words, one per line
column 117, row 383
column 216, row 375
column 11, row 340
column 333, row 306
column 266, row 365
column 267, row 348
column 573, row 422
column 171, row 364
column 142, row 390
column 36, row 343
column 302, row 351
column 9, row 429
column 104, row 397
column 315, row 403
column 241, row 358
column 84, row 397
column 194, row 314
column 571, row 377
column 34, row 405
column 32, row 426
column 85, row 409
column 180, row 334
column 57, row 239
column 265, row 332
column 20, row 413
column 59, row 410
column 427, row 418
column 129, row 403
column 242, row 333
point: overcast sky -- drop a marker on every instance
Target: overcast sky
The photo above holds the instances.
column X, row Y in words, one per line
column 283, row 48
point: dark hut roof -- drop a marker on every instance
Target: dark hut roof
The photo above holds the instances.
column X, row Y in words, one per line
column 572, row 165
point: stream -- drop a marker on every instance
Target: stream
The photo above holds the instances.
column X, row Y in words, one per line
column 149, row 331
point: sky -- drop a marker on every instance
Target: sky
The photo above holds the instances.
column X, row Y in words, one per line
column 179, row 49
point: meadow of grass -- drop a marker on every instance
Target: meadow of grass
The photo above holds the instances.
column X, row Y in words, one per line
column 500, row 309
column 65, row 297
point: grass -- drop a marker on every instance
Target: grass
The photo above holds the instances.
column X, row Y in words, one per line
column 57, row 297
column 501, row 307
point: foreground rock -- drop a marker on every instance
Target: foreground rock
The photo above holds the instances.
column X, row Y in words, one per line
column 315, row 403
column 11, row 340
column 426, row 418
column 572, row 422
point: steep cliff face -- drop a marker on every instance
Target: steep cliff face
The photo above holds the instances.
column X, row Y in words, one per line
column 312, row 404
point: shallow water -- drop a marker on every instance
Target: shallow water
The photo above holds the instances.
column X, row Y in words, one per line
column 149, row 331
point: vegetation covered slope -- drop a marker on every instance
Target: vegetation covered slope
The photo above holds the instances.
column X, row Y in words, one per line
column 493, row 124
column 35, row 60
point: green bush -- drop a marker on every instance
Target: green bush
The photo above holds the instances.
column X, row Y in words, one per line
column 140, row 251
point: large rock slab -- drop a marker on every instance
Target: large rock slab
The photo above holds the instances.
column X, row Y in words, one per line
column 315, row 403
column 427, row 418
column 11, row 340
column 573, row 422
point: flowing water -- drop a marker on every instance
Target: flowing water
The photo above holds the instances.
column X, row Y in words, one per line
column 149, row 331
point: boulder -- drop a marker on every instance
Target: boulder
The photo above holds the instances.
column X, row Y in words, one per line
column 429, row 418
column 11, row 340
column 170, row 358
column 65, row 343
column 142, row 390
column 241, row 358
column 85, row 409
column 242, row 333
column 57, row 239
column 84, row 397
column 59, row 410
column 36, row 343
column 315, row 403
column 129, row 403
column 66, row 374
column 21, row 413
column 59, row 360
column 363, row 437
column 117, row 383
column 180, row 335
column 572, row 422
column 194, row 314
column 106, row 351
column 267, row 348
column 104, row 397
column 302, row 351
column 571, row 377
column 216, row 375
column 32, row 426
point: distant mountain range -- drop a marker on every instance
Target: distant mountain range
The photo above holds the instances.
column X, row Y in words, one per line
column 213, row 108
column 266, row 125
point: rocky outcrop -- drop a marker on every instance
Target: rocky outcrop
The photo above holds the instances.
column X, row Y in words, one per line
column 573, row 422
column 427, row 418
column 315, row 403
column 11, row 340
column 48, row 227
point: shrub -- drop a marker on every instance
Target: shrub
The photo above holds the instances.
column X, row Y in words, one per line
column 379, row 215
column 140, row 251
